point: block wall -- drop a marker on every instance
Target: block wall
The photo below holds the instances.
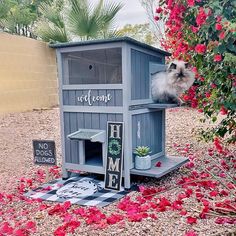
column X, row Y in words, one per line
column 28, row 74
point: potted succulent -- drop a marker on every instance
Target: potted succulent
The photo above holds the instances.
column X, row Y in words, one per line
column 142, row 158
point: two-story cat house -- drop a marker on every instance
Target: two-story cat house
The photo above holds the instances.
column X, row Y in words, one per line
column 109, row 80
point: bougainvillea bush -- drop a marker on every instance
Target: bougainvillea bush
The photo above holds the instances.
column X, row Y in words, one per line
column 203, row 33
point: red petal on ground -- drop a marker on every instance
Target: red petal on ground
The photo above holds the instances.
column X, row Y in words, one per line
column 158, row 164
column 191, row 220
column 190, row 233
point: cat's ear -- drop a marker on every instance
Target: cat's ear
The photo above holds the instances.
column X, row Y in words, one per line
column 187, row 65
column 172, row 66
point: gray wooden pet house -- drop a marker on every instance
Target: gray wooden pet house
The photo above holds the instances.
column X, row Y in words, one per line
column 109, row 80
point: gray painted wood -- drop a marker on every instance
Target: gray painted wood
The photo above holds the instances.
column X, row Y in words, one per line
column 67, row 141
column 65, row 95
column 65, row 173
column 103, row 121
column 140, row 79
column 168, row 164
column 111, row 117
column 74, row 145
column 150, row 131
column 118, row 97
column 72, row 97
column 95, row 120
column 75, row 121
column 119, row 117
column 87, row 120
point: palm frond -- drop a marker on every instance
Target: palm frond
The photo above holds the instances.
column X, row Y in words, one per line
column 89, row 21
column 51, row 26
column 109, row 12
column 52, row 14
column 80, row 21
column 49, row 33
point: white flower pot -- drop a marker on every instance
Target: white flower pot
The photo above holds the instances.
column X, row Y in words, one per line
column 143, row 163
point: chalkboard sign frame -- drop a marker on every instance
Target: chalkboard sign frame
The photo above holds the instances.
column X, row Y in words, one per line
column 118, row 153
column 52, row 144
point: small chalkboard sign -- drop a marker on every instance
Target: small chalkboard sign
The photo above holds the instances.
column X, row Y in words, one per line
column 113, row 171
column 44, row 152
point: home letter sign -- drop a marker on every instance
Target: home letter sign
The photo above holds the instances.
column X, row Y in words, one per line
column 113, row 177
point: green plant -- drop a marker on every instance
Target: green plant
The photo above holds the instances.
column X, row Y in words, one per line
column 67, row 20
column 19, row 16
column 142, row 151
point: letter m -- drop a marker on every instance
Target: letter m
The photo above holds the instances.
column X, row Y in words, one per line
column 113, row 166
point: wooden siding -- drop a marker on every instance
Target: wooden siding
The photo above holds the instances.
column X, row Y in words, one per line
column 70, row 97
column 75, row 121
column 150, row 126
column 140, row 75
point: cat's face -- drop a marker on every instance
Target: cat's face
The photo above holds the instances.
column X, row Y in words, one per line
column 179, row 72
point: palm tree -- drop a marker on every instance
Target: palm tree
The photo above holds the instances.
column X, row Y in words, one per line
column 51, row 26
column 80, row 20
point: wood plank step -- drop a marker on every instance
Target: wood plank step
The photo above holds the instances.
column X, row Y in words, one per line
column 161, row 105
column 168, row 164
column 153, row 106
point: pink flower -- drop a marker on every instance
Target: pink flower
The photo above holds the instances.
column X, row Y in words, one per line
column 225, row 220
column 159, row 10
column 201, row 17
column 222, row 35
column 191, row 3
column 217, row 58
column 183, row 212
column 194, row 29
column 214, row 193
column 190, row 233
column 213, row 86
column 157, row 18
column 207, row 94
column 158, row 164
column 218, row 19
column 114, row 218
column 191, row 220
column 200, row 48
column 218, row 26
column 223, row 110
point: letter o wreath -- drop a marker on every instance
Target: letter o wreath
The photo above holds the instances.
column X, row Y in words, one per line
column 114, row 147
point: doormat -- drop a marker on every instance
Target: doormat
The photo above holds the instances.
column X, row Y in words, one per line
column 79, row 190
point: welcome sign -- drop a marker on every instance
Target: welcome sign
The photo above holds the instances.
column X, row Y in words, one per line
column 90, row 99
column 113, row 175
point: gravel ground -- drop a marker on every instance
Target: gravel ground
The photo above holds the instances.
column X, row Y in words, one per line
column 16, row 161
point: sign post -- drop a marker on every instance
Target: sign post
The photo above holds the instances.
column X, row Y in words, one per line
column 114, row 161
column 44, row 154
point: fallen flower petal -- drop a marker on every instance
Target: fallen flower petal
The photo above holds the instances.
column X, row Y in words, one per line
column 190, row 233
column 158, row 164
column 191, row 220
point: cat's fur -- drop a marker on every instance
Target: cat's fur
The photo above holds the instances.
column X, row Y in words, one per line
column 167, row 86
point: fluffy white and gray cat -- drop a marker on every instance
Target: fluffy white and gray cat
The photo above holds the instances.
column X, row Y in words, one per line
column 167, row 86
